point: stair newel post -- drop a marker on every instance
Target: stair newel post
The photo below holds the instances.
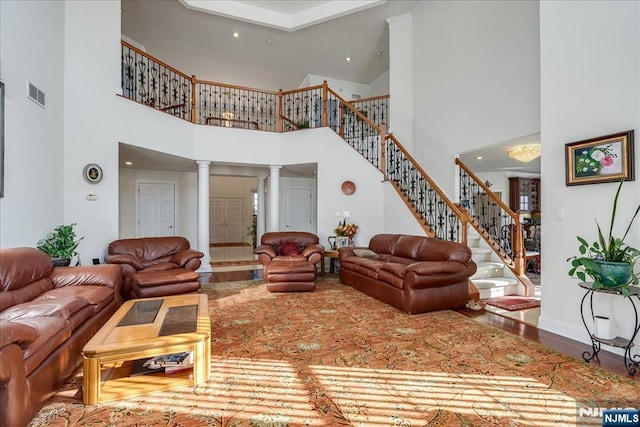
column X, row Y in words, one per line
column 383, row 149
column 194, row 114
column 518, row 247
column 280, row 121
column 325, row 94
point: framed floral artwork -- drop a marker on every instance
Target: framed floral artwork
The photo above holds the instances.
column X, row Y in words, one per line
column 606, row 158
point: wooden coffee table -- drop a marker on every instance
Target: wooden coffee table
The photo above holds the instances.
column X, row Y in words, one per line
column 145, row 328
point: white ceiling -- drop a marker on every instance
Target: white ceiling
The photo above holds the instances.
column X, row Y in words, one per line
column 199, row 43
column 495, row 158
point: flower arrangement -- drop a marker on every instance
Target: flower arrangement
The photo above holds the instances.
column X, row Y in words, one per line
column 610, row 250
column 590, row 161
column 345, row 229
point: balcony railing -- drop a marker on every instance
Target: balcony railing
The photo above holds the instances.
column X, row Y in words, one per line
column 361, row 123
column 148, row 80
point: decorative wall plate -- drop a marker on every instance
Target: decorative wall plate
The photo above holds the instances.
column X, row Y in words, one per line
column 348, row 188
column 92, row 173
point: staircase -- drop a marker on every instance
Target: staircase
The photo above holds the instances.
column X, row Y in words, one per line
column 492, row 279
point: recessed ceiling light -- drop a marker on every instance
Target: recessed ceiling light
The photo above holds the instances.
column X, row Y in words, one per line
column 269, row 41
column 235, row 34
column 348, row 58
column 479, row 158
column 128, row 163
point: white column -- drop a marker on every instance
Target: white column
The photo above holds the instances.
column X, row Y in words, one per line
column 203, row 215
column 274, row 198
column 262, row 212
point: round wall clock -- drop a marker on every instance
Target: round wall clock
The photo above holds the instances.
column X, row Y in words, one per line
column 348, row 188
column 92, row 173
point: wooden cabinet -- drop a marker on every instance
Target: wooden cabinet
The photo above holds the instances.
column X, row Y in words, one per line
column 524, row 194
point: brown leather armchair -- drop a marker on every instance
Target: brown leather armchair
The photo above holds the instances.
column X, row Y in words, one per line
column 289, row 260
column 168, row 263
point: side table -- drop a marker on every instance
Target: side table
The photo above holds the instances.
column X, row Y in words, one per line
column 333, row 256
column 631, row 361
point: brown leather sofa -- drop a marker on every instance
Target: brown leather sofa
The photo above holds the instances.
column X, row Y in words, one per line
column 169, row 257
column 47, row 315
column 416, row 274
column 289, row 260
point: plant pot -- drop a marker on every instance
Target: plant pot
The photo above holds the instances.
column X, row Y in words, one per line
column 61, row 262
column 614, row 274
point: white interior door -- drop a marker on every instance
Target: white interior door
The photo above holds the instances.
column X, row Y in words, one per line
column 156, row 209
column 297, row 209
column 234, row 228
column 226, row 220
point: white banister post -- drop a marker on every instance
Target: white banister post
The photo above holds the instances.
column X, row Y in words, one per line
column 262, row 212
column 274, row 198
column 203, row 215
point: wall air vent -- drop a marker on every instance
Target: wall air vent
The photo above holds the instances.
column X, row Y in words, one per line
column 36, row 95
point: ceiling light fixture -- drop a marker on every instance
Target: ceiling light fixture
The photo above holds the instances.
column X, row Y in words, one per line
column 235, row 35
column 348, row 59
column 525, row 153
column 128, row 163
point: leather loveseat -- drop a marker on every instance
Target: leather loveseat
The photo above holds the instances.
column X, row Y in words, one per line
column 289, row 260
column 47, row 315
column 169, row 262
column 416, row 274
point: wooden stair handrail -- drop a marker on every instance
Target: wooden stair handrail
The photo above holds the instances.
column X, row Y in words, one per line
column 450, row 204
column 226, row 85
column 371, row 98
column 354, row 110
column 488, row 191
column 519, row 250
column 153, row 58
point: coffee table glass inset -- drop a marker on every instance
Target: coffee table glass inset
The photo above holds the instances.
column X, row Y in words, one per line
column 145, row 328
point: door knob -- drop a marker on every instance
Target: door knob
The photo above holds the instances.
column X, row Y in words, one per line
column 171, row 226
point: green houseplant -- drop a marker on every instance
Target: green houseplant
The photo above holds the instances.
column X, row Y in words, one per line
column 61, row 244
column 609, row 262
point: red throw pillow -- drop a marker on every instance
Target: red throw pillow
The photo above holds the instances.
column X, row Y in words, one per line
column 289, row 248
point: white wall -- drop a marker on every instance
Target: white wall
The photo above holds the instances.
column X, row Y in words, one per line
column 344, row 88
column 92, row 50
column 380, row 86
column 401, row 82
column 34, row 136
column 478, row 68
column 590, row 71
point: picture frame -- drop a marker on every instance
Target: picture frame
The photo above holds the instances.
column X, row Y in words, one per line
column 342, row 241
column 607, row 158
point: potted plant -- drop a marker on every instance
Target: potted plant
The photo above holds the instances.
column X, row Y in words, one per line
column 61, row 244
column 608, row 262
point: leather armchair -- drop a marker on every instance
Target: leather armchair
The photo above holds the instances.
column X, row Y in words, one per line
column 289, row 260
column 151, row 254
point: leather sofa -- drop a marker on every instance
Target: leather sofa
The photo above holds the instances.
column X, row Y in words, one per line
column 415, row 274
column 47, row 315
column 289, row 260
column 168, row 257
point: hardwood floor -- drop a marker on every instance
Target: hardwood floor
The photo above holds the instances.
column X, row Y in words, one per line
column 609, row 361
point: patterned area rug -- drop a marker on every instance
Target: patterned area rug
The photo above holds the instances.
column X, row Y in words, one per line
column 337, row 357
column 513, row 303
